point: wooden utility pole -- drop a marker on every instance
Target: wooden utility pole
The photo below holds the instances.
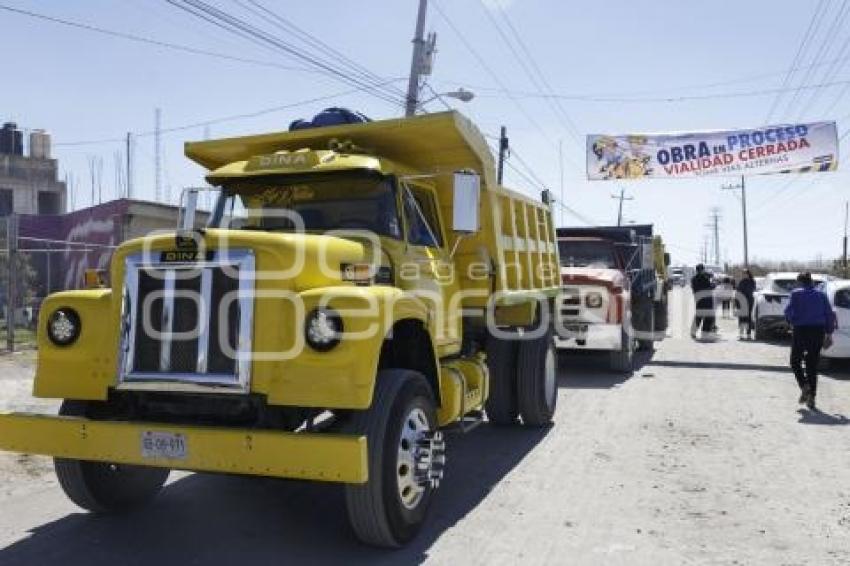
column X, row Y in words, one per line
column 844, row 254
column 621, row 198
column 11, row 290
column 743, row 188
column 129, row 166
column 504, row 148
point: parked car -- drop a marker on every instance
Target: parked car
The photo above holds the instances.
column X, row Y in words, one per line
column 838, row 293
column 771, row 299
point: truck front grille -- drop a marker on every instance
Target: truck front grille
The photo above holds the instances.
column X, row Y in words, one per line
column 174, row 329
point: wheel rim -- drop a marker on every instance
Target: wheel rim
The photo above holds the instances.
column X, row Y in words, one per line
column 550, row 376
column 420, row 458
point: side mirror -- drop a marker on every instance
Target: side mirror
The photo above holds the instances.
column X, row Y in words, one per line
column 189, row 202
column 666, row 260
column 467, row 195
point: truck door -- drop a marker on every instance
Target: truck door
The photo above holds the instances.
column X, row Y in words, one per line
column 431, row 271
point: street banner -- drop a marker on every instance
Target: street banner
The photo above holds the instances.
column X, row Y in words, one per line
column 790, row 148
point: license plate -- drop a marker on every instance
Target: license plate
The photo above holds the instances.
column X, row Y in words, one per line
column 168, row 445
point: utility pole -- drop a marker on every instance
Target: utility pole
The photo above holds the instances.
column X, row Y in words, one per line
column 11, row 287
column 743, row 188
column 621, row 198
column 157, row 154
column 129, row 165
column 504, row 151
column 715, row 225
column 561, row 170
column 416, row 62
column 844, row 254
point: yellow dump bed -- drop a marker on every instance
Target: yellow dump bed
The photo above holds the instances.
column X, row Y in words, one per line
column 515, row 250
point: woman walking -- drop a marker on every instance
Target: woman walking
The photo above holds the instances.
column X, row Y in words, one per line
column 745, row 289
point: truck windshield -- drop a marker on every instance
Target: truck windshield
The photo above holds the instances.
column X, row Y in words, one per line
column 318, row 203
column 587, row 253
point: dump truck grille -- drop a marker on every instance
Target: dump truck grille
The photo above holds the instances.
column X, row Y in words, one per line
column 187, row 322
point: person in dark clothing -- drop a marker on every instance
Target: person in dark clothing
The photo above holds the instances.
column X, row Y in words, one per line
column 812, row 322
column 746, row 288
column 703, row 289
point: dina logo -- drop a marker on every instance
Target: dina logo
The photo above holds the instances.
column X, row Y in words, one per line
column 283, row 160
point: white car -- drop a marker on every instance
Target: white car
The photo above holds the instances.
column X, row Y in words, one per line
column 770, row 302
column 839, row 297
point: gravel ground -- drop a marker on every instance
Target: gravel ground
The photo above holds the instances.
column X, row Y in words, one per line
column 701, row 457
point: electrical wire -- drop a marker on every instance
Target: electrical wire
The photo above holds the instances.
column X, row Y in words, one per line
column 484, row 65
column 823, row 49
column 664, row 99
column 311, row 40
column 150, row 41
column 213, row 121
column 797, row 57
column 244, row 29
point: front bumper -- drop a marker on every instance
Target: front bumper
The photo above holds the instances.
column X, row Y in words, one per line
column 309, row 456
column 589, row 336
column 773, row 323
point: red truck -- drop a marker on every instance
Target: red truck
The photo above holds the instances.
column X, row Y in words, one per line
column 614, row 291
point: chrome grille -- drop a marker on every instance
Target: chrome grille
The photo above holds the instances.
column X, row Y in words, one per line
column 173, row 329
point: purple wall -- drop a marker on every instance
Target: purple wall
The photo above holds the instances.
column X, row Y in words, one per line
column 101, row 226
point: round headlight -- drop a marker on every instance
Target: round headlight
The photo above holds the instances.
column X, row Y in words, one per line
column 323, row 329
column 63, row 326
column 593, row 300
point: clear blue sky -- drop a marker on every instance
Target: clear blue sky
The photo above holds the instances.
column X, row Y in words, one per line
column 84, row 86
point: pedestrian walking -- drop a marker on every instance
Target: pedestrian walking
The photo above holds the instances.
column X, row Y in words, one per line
column 703, row 288
column 745, row 290
column 812, row 323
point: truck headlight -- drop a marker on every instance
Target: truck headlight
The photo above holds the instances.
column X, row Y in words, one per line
column 63, row 326
column 323, row 329
column 593, row 300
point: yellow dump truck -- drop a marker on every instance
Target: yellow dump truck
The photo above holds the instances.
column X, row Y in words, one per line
column 359, row 289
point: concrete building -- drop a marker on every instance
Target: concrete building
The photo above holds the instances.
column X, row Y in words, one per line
column 29, row 182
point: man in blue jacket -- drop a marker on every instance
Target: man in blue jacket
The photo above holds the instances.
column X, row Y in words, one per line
column 813, row 322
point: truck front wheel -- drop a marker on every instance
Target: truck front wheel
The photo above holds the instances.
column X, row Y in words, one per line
column 406, row 455
column 537, row 380
column 622, row 360
column 103, row 487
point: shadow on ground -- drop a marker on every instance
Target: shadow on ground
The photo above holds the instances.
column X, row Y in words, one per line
column 817, row 417
column 218, row 519
column 584, row 369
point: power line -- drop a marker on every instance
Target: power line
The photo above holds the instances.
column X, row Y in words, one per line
column 288, row 26
column 822, row 50
column 214, row 121
column 483, row 63
column 797, row 57
column 664, row 99
column 150, row 41
column 244, row 29
column 832, row 70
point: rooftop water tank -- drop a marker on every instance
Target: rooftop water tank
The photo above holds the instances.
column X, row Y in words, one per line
column 39, row 144
column 11, row 139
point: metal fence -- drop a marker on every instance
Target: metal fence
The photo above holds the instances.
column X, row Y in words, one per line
column 33, row 266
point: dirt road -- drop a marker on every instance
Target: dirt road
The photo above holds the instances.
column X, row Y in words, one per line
column 701, row 457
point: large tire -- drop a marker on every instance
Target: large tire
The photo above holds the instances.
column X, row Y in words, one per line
column 647, row 344
column 102, row 487
column 386, row 510
column 661, row 317
column 501, row 403
column 622, row 360
column 537, row 380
